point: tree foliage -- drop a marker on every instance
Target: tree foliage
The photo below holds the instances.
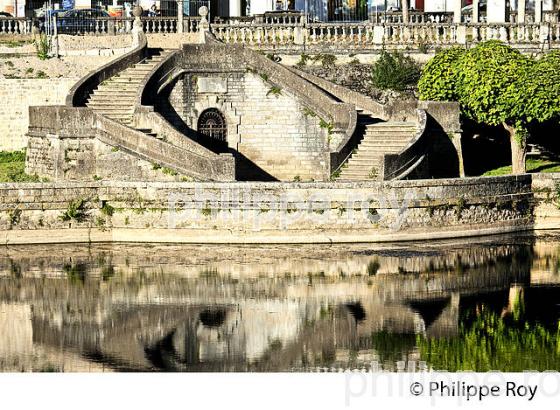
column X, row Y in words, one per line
column 490, row 85
column 497, row 85
column 439, row 76
column 541, row 97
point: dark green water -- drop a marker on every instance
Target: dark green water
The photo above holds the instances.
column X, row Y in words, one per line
column 479, row 304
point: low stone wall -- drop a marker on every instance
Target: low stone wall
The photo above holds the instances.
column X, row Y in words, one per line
column 264, row 212
column 16, row 96
column 69, row 45
column 76, row 144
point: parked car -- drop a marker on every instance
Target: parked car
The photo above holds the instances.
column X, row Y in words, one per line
column 79, row 21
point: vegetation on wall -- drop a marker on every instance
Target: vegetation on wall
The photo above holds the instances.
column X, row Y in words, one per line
column 395, row 71
column 497, row 85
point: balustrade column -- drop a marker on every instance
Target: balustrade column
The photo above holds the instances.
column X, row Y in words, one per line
column 180, row 28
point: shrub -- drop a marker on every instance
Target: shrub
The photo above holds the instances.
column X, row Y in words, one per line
column 75, row 211
column 395, row 71
column 43, row 46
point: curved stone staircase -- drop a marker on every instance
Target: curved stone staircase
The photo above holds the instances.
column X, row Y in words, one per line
column 116, row 97
column 379, row 138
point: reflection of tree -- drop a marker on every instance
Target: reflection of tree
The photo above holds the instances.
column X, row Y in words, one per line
column 392, row 347
column 490, row 342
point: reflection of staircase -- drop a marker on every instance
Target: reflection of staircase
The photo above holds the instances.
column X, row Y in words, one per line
column 379, row 138
column 116, row 97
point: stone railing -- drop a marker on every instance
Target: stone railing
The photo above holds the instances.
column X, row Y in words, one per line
column 17, row 25
column 102, row 25
column 256, row 34
column 413, row 17
column 275, row 18
column 360, row 35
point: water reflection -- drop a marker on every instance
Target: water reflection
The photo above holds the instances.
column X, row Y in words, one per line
column 486, row 304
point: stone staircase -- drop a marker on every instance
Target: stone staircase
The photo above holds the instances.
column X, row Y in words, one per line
column 379, row 138
column 116, row 97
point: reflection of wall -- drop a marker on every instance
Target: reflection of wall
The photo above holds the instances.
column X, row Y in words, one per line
column 135, row 309
column 16, row 334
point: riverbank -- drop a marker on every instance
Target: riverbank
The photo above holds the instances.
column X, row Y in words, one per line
column 241, row 212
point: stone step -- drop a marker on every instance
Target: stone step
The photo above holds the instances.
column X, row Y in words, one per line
column 127, row 80
column 389, row 131
column 105, row 109
column 361, row 161
column 369, row 152
column 121, row 86
column 390, row 138
column 383, row 142
column 106, row 103
column 118, row 117
column 111, row 93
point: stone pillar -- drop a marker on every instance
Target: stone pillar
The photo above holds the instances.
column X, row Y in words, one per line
column 475, row 10
column 137, row 30
column 203, row 25
column 521, row 11
column 456, row 141
column 378, row 34
column 462, row 34
column 180, row 16
column 538, row 11
column 235, row 8
column 457, row 11
column 496, row 11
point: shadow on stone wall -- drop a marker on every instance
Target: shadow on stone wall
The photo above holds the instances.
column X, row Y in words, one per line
column 443, row 159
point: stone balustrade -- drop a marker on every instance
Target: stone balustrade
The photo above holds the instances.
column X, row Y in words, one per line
column 394, row 34
column 292, row 31
column 101, row 26
column 16, row 26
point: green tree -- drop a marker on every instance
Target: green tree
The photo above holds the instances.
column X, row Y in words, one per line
column 497, row 85
column 439, row 76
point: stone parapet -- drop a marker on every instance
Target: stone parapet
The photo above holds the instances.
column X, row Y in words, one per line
column 264, row 212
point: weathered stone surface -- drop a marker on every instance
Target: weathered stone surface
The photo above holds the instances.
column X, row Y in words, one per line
column 265, row 212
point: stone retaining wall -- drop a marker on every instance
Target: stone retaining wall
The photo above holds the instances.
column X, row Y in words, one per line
column 273, row 131
column 16, row 96
column 264, row 212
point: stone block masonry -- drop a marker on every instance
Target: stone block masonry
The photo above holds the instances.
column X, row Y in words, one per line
column 265, row 123
column 16, row 96
column 264, row 212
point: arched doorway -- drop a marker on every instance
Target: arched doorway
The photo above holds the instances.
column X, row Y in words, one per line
column 212, row 125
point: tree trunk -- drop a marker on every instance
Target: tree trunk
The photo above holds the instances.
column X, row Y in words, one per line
column 405, row 5
column 518, row 150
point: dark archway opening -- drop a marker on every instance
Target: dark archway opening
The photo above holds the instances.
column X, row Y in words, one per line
column 212, row 127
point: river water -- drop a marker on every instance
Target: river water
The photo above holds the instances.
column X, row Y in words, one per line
column 478, row 304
